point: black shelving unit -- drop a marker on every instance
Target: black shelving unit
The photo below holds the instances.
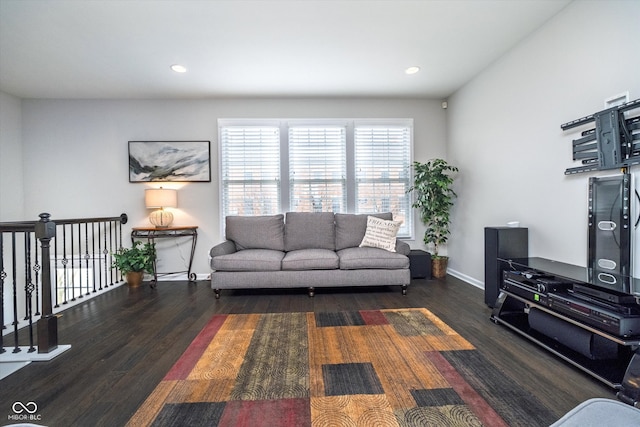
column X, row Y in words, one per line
column 609, row 371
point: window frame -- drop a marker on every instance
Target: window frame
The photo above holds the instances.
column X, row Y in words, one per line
column 350, row 129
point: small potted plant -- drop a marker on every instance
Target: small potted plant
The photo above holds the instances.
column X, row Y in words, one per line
column 434, row 198
column 135, row 261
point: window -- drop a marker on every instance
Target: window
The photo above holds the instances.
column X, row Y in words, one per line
column 317, row 169
column 250, row 170
column 383, row 174
column 273, row 166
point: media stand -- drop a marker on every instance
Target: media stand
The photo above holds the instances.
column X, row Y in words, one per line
column 537, row 300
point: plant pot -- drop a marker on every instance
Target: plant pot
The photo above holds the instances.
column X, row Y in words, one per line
column 439, row 267
column 134, row 278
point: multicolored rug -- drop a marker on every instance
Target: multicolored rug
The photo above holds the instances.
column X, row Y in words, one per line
column 363, row 368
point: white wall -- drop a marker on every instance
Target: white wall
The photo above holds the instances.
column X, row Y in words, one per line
column 11, row 190
column 504, row 132
column 75, row 152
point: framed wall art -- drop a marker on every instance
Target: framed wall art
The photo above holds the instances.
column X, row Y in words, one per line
column 175, row 161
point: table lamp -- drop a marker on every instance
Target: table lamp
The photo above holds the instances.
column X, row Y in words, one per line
column 161, row 198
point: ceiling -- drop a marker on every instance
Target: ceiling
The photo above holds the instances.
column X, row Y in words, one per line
column 256, row 48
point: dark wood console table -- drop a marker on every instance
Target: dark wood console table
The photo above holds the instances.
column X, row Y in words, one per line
column 513, row 309
column 152, row 233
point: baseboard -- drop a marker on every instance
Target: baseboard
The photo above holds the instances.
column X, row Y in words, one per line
column 465, row 278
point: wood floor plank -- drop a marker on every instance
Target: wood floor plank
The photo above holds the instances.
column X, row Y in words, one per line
column 125, row 341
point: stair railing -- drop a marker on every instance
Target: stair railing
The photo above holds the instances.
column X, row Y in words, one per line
column 72, row 261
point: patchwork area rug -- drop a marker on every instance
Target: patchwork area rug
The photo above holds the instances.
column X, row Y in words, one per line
column 363, row 368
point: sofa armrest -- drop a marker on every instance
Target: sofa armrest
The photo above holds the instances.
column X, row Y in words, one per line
column 402, row 247
column 225, row 248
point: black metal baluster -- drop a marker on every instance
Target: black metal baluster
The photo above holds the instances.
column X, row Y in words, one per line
column 65, row 261
column 14, row 270
column 100, row 252
column 27, row 261
column 86, row 254
column 73, row 271
column 3, row 276
column 105, row 252
column 93, row 255
column 80, row 294
column 36, row 270
column 111, row 246
column 123, row 220
column 57, row 274
column 28, row 287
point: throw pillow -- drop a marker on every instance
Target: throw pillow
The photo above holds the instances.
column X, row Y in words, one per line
column 309, row 230
column 350, row 228
column 381, row 234
column 256, row 232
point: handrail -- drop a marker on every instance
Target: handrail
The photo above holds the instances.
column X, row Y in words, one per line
column 123, row 218
column 17, row 226
column 26, row 225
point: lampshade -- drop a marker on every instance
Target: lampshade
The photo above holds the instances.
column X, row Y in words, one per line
column 160, row 198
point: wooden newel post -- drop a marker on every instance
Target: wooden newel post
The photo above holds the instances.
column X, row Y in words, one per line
column 48, row 323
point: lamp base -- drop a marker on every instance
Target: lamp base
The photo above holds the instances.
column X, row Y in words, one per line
column 161, row 218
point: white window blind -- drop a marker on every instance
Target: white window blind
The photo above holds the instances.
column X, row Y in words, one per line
column 317, row 169
column 383, row 175
column 250, row 170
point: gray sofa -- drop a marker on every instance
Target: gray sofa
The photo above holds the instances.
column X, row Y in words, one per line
column 308, row 250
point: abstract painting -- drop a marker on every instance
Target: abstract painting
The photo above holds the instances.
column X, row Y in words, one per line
column 185, row 161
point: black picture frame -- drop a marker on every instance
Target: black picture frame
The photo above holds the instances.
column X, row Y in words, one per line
column 169, row 161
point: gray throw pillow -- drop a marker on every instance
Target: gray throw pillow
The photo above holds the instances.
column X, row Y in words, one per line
column 256, row 232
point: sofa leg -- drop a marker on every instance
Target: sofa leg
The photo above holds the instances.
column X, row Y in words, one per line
column 312, row 292
column 404, row 289
column 217, row 292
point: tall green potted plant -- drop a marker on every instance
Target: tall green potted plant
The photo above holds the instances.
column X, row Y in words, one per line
column 135, row 261
column 434, row 198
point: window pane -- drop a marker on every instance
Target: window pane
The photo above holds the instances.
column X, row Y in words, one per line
column 317, row 169
column 250, row 170
column 383, row 156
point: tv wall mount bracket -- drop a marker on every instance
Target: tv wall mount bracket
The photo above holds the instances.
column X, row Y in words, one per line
column 613, row 143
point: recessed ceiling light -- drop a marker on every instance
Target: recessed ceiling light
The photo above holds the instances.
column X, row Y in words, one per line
column 179, row 68
column 412, row 70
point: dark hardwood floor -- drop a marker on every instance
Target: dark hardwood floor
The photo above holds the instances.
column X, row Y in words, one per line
column 125, row 341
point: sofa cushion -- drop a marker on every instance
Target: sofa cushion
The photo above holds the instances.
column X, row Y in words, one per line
column 350, row 228
column 309, row 230
column 381, row 234
column 249, row 260
column 256, row 232
column 371, row 258
column 310, row 259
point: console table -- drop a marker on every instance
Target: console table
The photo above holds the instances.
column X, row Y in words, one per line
column 514, row 307
column 153, row 233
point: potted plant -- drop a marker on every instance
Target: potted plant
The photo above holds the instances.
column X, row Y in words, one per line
column 434, row 198
column 135, row 261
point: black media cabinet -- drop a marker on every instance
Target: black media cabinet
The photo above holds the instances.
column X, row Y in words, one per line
column 530, row 313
